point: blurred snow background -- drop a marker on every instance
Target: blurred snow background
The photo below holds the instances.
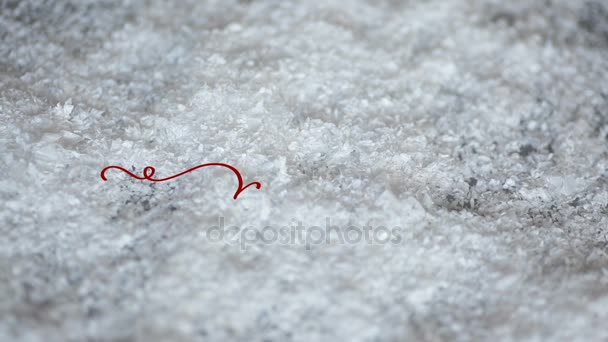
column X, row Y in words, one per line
column 478, row 126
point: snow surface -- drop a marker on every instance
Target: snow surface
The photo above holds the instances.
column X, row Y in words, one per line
column 478, row 127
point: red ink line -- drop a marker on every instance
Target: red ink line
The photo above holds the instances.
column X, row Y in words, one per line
column 149, row 171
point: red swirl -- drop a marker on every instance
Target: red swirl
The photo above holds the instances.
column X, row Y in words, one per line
column 149, row 172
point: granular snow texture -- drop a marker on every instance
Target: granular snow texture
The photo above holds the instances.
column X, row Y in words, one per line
column 479, row 128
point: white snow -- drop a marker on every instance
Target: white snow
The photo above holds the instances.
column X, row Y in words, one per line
column 477, row 129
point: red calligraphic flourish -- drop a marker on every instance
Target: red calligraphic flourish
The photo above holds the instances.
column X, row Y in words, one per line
column 149, row 171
